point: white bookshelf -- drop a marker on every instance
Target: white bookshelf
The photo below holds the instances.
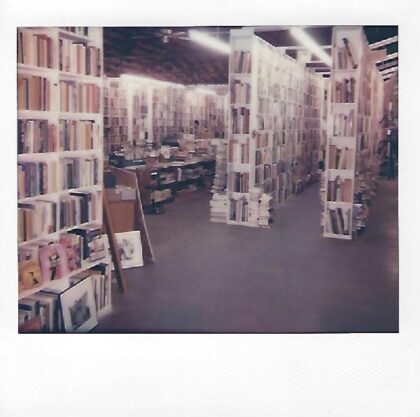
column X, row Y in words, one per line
column 355, row 109
column 281, row 101
column 54, row 115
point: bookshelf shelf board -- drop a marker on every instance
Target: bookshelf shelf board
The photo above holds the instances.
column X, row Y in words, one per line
column 82, row 152
column 343, row 173
column 27, row 293
column 337, row 236
column 237, row 195
column 343, row 104
column 93, row 187
column 39, row 197
column 240, row 105
column 339, row 204
column 73, row 36
column 80, row 116
column 37, row 155
column 37, row 114
column 45, row 71
column 64, row 75
column 48, row 236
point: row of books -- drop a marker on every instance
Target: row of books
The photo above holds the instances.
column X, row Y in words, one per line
column 36, row 178
column 345, row 90
column 340, row 190
column 79, row 207
column 59, row 311
column 78, row 30
column 238, row 182
column 79, row 172
column 79, row 58
column 240, row 120
column 241, row 62
column 263, row 172
column 341, row 158
column 238, row 210
column 240, row 92
column 33, row 93
column 239, row 151
column 79, row 97
column 36, row 136
column 344, row 124
column 344, row 56
column 35, row 219
column 35, row 49
column 78, row 135
column 338, row 221
column 49, row 260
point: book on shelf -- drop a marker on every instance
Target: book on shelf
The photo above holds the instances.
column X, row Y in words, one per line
column 53, row 261
column 338, row 221
column 239, row 182
column 344, row 124
column 36, row 136
column 341, row 157
column 239, row 151
column 29, row 273
column 93, row 242
column 79, row 172
column 241, row 61
column 78, row 58
column 36, row 178
column 240, row 120
column 79, row 97
column 78, row 135
column 33, row 93
column 36, row 219
column 72, row 245
column 239, row 210
column 28, row 308
column 240, row 92
column 101, row 283
column 78, row 207
column 339, row 190
column 35, row 49
column 345, row 90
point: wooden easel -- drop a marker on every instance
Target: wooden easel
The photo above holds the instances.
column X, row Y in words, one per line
column 110, row 231
column 128, row 179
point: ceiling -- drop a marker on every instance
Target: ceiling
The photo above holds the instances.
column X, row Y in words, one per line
column 167, row 54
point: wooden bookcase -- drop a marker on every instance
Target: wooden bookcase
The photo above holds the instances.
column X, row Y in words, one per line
column 67, row 100
column 353, row 131
column 273, row 128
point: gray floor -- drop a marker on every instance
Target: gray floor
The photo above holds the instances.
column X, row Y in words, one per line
column 217, row 278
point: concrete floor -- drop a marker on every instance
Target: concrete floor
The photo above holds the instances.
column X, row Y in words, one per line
column 288, row 279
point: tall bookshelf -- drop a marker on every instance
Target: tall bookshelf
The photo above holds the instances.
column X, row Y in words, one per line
column 273, row 128
column 60, row 142
column 352, row 134
column 159, row 110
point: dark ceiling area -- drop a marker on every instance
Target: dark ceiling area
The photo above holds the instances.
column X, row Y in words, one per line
column 166, row 53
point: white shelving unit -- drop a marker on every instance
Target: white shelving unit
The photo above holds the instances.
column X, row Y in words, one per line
column 353, row 130
column 89, row 96
column 273, row 128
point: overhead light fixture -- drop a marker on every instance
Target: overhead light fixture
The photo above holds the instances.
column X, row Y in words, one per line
column 300, row 35
column 209, row 41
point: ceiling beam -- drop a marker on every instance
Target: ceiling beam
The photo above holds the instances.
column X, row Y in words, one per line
column 388, row 57
column 298, row 48
column 389, row 71
column 387, row 65
column 384, row 42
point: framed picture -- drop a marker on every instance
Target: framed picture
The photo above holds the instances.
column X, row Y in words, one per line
column 78, row 307
column 129, row 248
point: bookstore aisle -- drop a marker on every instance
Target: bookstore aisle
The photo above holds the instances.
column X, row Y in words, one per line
column 213, row 278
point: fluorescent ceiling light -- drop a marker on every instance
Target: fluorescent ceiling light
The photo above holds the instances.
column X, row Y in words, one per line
column 300, row 35
column 209, row 41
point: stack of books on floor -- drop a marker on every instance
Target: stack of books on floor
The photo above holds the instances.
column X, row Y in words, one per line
column 220, row 177
column 218, row 208
column 265, row 217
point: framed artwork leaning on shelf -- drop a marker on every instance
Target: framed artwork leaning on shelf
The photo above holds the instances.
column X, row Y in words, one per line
column 78, row 307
